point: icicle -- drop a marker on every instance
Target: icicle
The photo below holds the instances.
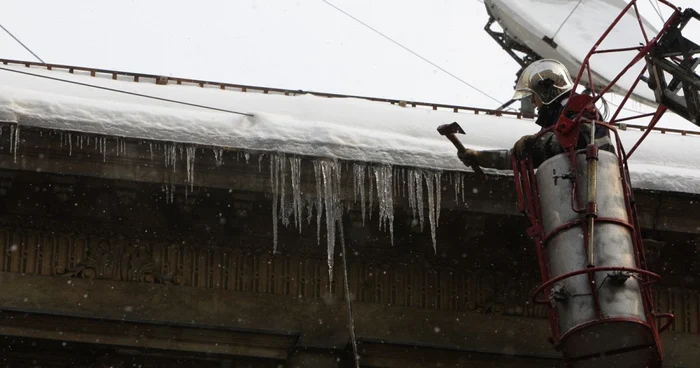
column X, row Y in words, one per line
column 418, row 177
column 247, row 157
column 191, row 153
column 371, row 197
column 359, row 171
column 103, row 148
column 283, row 184
column 150, row 150
column 218, row 156
column 12, row 136
column 295, row 168
column 319, row 199
column 438, row 197
column 431, row 206
column 331, row 174
column 394, row 184
column 412, row 194
column 260, row 162
column 455, row 181
column 274, row 183
column 170, row 155
column 166, row 156
column 70, row 144
column 385, row 198
column 16, row 141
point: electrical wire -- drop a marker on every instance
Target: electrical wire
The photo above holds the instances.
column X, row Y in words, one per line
column 657, row 9
column 20, row 42
column 411, row 51
column 126, row 92
column 567, row 19
column 626, row 108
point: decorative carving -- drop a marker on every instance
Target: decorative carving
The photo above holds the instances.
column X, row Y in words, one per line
column 177, row 259
column 131, row 262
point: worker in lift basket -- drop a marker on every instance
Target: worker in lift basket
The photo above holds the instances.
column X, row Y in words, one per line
column 549, row 85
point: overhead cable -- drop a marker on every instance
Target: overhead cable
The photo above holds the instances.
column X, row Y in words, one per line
column 20, row 42
column 411, row 51
column 566, row 20
column 657, row 9
column 126, row 92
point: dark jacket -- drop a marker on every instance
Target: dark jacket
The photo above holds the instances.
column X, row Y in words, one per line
column 547, row 145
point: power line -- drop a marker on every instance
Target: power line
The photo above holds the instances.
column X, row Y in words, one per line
column 657, row 9
column 626, row 108
column 127, row 92
column 567, row 19
column 411, row 51
column 23, row 45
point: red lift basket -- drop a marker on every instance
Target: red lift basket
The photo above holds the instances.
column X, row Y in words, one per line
column 584, row 224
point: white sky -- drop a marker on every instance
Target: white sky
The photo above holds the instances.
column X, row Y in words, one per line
column 302, row 44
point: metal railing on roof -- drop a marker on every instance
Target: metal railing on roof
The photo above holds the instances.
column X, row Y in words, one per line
column 164, row 80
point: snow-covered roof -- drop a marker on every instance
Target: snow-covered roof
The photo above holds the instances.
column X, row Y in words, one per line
column 343, row 128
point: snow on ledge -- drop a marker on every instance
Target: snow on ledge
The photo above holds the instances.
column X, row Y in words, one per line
column 349, row 129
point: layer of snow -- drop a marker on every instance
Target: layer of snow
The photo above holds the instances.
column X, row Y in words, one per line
column 532, row 20
column 341, row 128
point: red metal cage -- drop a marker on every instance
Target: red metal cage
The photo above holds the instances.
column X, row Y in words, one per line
column 528, row 195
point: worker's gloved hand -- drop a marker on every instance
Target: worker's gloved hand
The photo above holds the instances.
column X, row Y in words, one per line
column 523, row 146
column 469, row 157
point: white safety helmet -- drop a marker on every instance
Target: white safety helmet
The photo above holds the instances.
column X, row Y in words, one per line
column 547, row 78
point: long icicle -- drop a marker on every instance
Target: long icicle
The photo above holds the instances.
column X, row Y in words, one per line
column 359, row 171
column 385, row 198
column 283, row 185
column 295, row 169
column 348, row 300
column 412, row 194
column 16, row 141
column 190, row 154
column 418, row 177
column 274, row 183
column 431, row 205
column 438, row 197
column 319, row 199
column 328, row 170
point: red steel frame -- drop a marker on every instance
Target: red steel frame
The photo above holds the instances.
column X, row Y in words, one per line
column 567, row 131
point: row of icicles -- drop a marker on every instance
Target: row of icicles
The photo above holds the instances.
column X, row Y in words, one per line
column 373, row 185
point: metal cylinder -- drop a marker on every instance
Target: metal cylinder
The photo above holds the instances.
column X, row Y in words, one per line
column 603, row 314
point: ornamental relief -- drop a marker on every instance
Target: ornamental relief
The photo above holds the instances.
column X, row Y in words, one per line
column 181, row 264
